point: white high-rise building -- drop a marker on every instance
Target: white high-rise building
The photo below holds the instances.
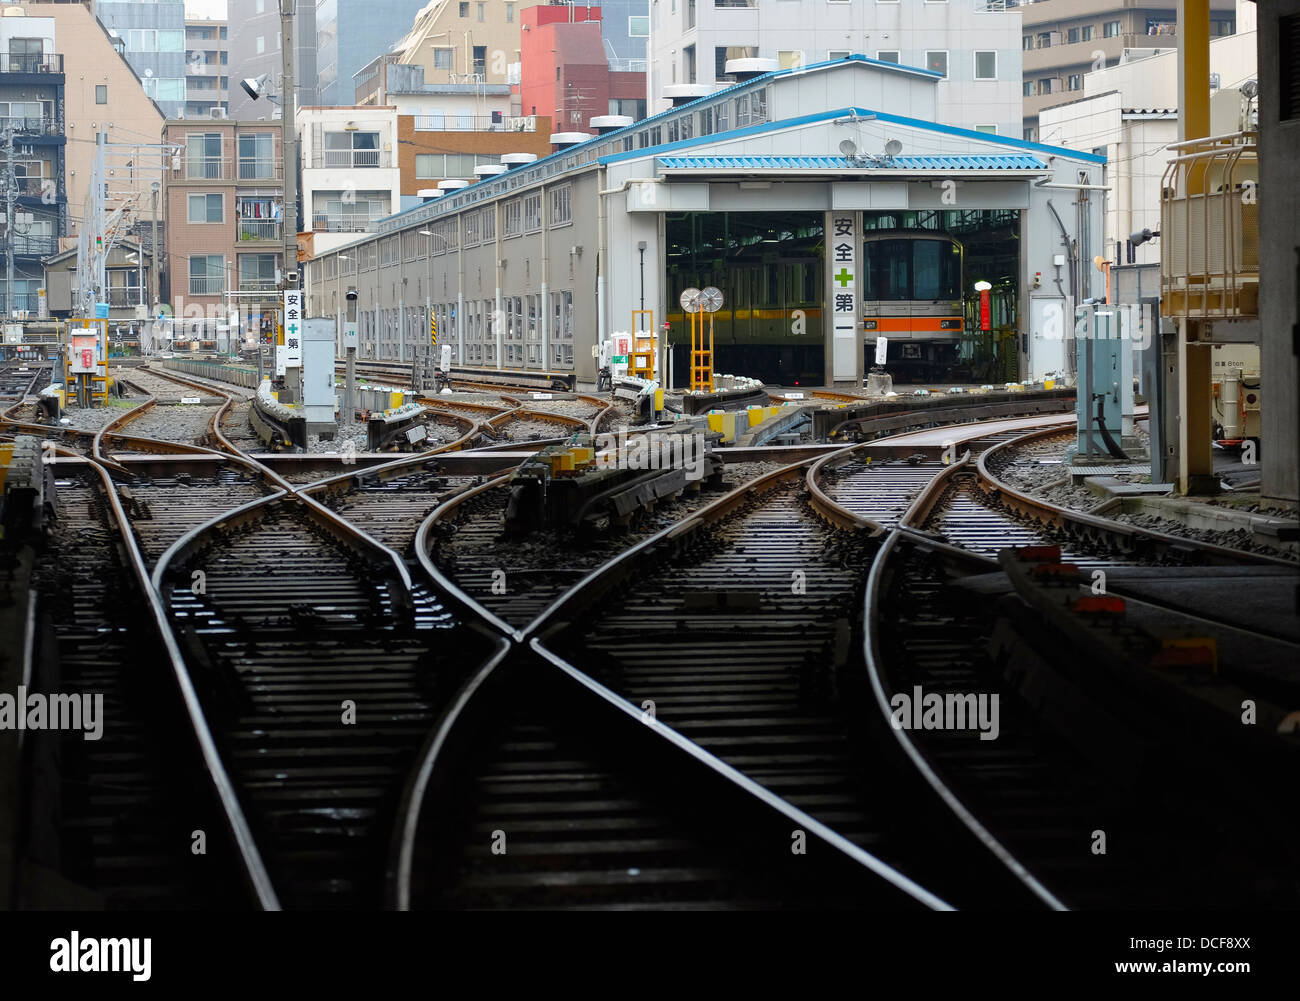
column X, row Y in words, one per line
column 973, row 45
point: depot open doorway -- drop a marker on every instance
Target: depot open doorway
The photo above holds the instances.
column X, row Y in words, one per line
column 769, row 267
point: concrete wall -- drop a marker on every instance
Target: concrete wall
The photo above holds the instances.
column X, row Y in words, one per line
column 1279, row 255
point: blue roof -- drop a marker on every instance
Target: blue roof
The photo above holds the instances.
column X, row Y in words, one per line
column 947, row 163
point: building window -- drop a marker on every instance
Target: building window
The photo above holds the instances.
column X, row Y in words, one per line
column 257, row 272
column 101, row 93
column 513, row 224
column 1072, row 36
column 464, row 10
column 887, row 56
column 1044, row 40
column 790, row 59
column 1027, row 42
column 562, row 205
column 986, row 65
column 442, row 59
column 1110, row 29
column 990, row 129
column 1075, row 82
column 638, row 27
column 833, row 54
column 207, row 274
column 1288, row 70
column 488, row 224
column 203, row 156
column 1045, row 86
column 510, row 13
column 532, row 212
column 352, row 149
column 937, row 62
column 1085, row 33
column 482, row 12
column 1029, row 133
column 256, row 156
column 1027, row 88
column 206, row 208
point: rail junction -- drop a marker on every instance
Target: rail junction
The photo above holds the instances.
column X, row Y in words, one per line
column 493, row 654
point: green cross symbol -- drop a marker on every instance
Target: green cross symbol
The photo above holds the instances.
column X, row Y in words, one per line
column 844, row 277
column 293, row 328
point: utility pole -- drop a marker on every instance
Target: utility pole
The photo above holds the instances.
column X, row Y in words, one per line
column 155, row 293
column 289, row 148
column 11, row 185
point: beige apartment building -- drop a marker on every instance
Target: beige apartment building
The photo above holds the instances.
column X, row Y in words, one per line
column 102, row 94
column 1063, row 40
column 462, row 43
column 226, row 218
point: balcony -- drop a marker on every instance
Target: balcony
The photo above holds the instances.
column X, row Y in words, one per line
column 1209, row 257
column 260, row 170
column 34, row 187
column 207, row 286
column 1072, row 54
column 257, row 285
column 255, row 230
column 38, row 125
column 347, row 223
column 33, row 245
column 126, row 296
column 31, row 63
column 206, row 168
column 475, row 123
column 348, row 159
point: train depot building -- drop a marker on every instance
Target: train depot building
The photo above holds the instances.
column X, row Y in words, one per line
column 825, row 202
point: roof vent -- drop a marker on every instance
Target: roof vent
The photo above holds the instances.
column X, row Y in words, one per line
column 746, row 69
column 604, row 124
column 565, row 140
column 513, row 160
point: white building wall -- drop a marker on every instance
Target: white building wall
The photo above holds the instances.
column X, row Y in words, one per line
column 812, row 31
column 386, row 177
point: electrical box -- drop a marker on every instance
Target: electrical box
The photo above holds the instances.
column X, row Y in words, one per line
column 1104, row 362
column 318, row 370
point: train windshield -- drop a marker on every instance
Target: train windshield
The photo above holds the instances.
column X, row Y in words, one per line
column 912, row 269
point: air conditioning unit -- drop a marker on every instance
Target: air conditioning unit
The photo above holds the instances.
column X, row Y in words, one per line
column 217, row 112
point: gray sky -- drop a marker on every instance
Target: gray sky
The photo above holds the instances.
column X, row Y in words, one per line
column 205, row 8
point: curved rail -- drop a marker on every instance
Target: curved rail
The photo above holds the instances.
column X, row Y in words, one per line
column 1127, row 538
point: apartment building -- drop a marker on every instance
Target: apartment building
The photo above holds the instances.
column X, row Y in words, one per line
column 1064, row 40
column 350, row 175
column 207, row 69
column 349, row 34
column 32, row 105
column 566, row 74
column 225, row 236
column 151, row 35
column 102, row 95
column 254, row 46
column 1130, row 113
column 972, row 47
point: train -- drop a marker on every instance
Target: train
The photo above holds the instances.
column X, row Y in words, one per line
column 912, row 289
column 771, row 324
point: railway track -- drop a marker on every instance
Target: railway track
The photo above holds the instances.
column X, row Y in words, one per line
column 115, row 817
column 301, row 621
